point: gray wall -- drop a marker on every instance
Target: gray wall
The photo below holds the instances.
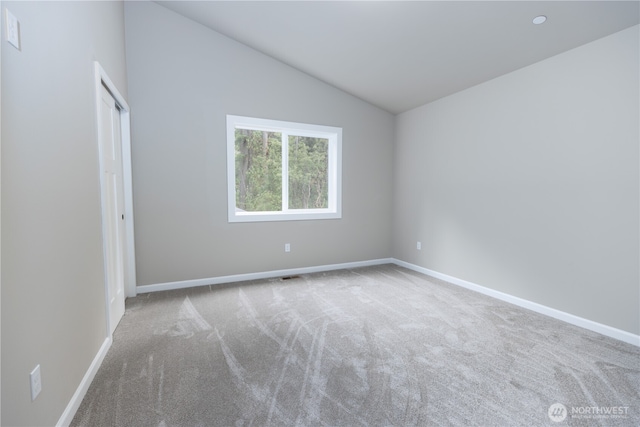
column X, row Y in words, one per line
column 184, row 79
column 53, row 297
column 528, row 184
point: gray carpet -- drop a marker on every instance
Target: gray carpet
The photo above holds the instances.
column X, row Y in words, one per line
column 376, row 346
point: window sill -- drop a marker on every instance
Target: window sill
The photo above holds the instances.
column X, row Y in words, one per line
column 310, row 214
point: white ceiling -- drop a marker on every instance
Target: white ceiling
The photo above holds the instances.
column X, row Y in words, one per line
column 399, row 55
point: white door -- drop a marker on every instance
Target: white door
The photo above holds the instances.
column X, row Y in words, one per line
column 113, row 205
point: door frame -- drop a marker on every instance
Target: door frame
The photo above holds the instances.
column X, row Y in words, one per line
column 102, row 79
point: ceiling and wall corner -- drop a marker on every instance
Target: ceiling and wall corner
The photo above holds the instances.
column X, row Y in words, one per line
column 400, row 55
column 530, row 183
column 184, row 79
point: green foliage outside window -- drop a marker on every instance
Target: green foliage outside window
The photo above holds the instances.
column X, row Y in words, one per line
column 258, row 170
column 258, row 156
column 308, row 172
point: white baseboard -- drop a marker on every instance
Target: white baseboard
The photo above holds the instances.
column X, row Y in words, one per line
column 255, row 276
column 81, row 391
column 538, row 308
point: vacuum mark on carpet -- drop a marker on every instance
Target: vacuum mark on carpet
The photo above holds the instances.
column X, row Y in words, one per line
column 188, row 323
column 255, row 318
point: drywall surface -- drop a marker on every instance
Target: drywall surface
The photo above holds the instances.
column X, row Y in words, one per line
column 529, row 183
column 183, row 80
column 53, row 295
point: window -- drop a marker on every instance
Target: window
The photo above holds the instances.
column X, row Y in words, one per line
column 282, row 171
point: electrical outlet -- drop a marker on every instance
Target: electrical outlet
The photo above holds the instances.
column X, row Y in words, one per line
column 13, row 29
column 287, row 247
column 419, row 246
column 36, row 383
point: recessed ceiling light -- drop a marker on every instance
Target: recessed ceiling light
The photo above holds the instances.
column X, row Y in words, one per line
column 539, row 19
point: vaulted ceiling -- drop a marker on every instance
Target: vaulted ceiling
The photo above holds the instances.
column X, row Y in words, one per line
column 402, row 54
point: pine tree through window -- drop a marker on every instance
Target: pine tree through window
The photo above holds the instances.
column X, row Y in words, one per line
column 282, row 170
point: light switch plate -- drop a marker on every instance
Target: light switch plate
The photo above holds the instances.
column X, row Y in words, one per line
column 13, row 29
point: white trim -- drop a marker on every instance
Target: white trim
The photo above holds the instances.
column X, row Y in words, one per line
column 255, row 276
column 0, row 199
column 127, row 182
column 101, row 78
column 600, row 328
column 285, row 171
column 81, row 391
column 609, row 331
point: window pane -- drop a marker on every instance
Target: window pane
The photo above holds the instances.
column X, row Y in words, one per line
column 308, row 172
column 258, row 171
column 282, row 171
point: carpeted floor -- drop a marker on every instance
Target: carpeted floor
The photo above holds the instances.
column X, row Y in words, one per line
column 376, row 346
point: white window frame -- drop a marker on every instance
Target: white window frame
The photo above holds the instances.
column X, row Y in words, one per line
column 332, row 134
